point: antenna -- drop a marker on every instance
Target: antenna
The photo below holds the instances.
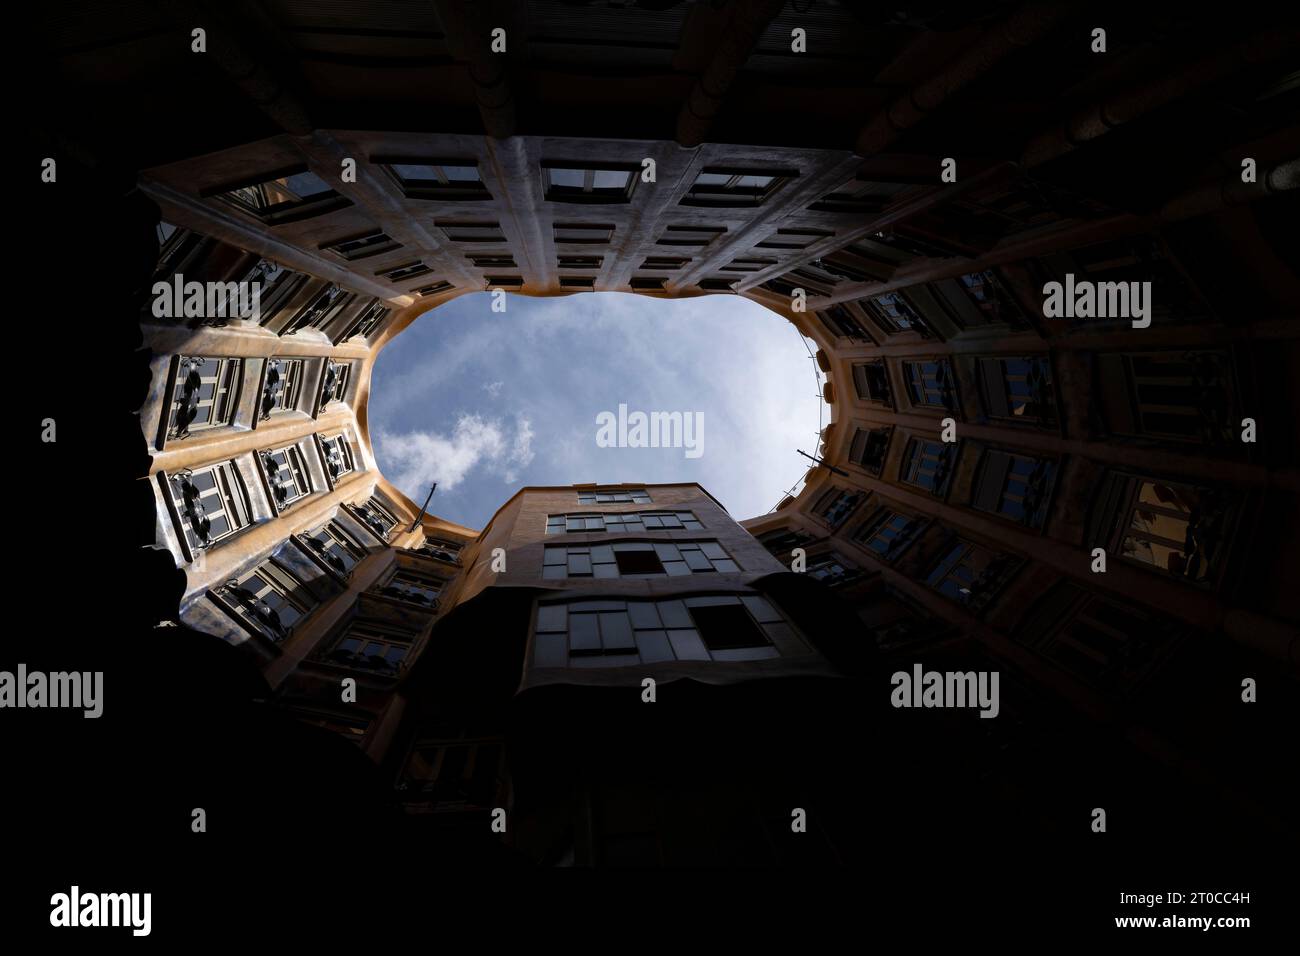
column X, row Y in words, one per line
column 420, row 516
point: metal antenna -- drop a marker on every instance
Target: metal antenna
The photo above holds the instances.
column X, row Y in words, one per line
column 420, row 516
column 823, row 463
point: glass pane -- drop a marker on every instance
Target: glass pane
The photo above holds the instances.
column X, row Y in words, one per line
column 568, row 177
column 552, row 617
column 643, row 614
column 687, row 645
column 611, row 179
column 654, row 646
column 583, row 634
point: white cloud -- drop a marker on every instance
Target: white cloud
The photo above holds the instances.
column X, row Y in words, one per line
column 493, row 388
column 413, row 459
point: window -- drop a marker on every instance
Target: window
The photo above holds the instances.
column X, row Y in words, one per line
column 205, row 395
column 970, row 574
column 928, row 464
column 577, row 233
column 333, row 547
column 212, row 503
column 621, row 633
column 334, row 383
column 747, row 265
column 371, row 646
column 1017, row 389
column 978, row 298
column 869, row 447
column 690, row 235
column 464, row 769
column 376, row 516
column 504, row 282
column 835, row 506
column 279, row 288
column 442, row 179
column 636, row 559
column 636, row 497
column 282, row 386
column 403, row 272
column 664, row 263
column 843, row 324
column 367, row 320
column 412, row 587
column 282, row 197
column 1177, row 528
column 286, row 474
column 502, row 260
column 930, row 384
column 624, row 522
column 830, row 569
column 887, row 533
column 859, row 195
column 475, row 231
column 893, row 313
column 647, row 284
column 1178, row 395
column 1109, row 644
column 432, row 289
column 269, row 600
column 319, row 310
column 336, row 453
column 858, row 263
column 716, row 284
column 782, row 541
column 718, row 186
column 577, row 282
column 794, row 238
column 440, row 549
column 871, row 381
column 363, row 245
column 1014, row 486
column 580, row 262
column 577, row 182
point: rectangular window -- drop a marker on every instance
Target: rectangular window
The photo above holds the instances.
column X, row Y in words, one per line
column 269, row 600
column 698, row 236
column 367, row 320
column 1014, row 486
column 893, row 313
column 376, row 516
column 320, row 310
column 334, row 383
column 333, row 547
column 281, row 197
column 286, row 474
column 205, row 395
column 869, row 447
column 930, row 384
column 212, row 503
column 1017, row 389
column 1177, row 528
column 441, row 549
column 432, row 289
column 871, row 381
column 577, row 282
column 583, row 183
column 794, row 238
column 412, row 587
column 504, row 282
column 336, row 453
column 580, row 262
column 493, row 261
column 720, row 186
column 475, row 231
column 970, row 574
column 613, row 497
column 835, row 506
column 1178, row 395
column 371, row 646
column 717, row 284
column 831, row 569
column 623, row 522
column 621, row 633
column 843, row 323
column 647, row 284
column 363, row 245
column 928, row 464
column 781, row 541
column 859, row 195
column 978, row 299
column 887, row 533
column 447, row 180
column 282, row 387
column 636, row 559
column 577, row 233
column 408, row 270
column 664, row 263
column 747, row 265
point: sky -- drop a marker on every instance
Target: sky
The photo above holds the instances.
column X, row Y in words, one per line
column 485, row 403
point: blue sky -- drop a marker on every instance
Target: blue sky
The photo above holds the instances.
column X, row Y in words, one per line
column 485, row 403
